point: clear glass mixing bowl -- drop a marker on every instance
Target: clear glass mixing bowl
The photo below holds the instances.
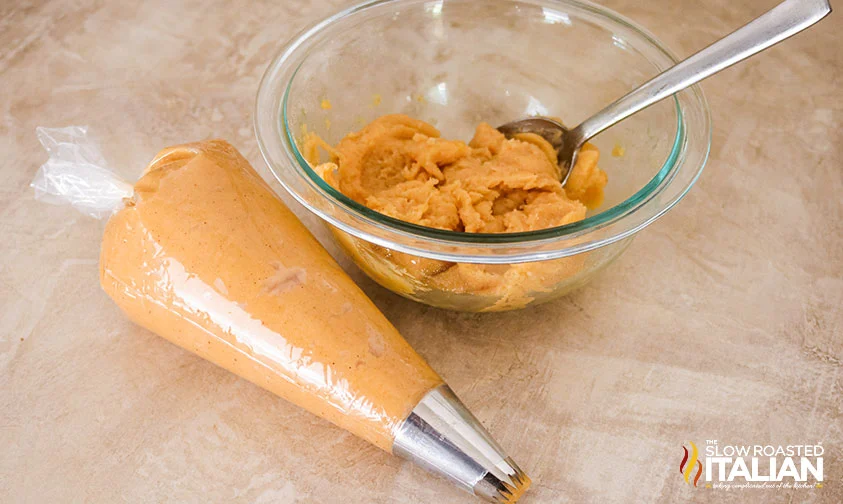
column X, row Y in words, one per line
column 455, row 63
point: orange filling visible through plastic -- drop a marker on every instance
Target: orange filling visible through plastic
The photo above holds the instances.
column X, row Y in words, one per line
column 208, row 257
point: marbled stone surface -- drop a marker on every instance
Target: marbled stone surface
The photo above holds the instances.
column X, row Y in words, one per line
column 723, row 320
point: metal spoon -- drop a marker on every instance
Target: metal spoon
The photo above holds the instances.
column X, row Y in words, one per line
column 786, row 19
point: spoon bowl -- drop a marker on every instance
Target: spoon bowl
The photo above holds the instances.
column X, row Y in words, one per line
column 555, row 133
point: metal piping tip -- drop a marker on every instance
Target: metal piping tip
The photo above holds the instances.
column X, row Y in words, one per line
column 441, row 435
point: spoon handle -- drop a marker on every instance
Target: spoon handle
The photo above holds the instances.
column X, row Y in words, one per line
column 786, row 19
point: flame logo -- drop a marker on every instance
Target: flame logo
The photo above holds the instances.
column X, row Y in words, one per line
column 686, row 467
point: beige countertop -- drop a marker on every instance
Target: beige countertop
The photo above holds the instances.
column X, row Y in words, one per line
column 723, row 320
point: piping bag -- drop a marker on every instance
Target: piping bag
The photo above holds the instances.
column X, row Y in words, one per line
column 203, row 253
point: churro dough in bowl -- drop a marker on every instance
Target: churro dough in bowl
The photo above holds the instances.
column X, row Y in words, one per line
column 401, row 167
column 417, row 186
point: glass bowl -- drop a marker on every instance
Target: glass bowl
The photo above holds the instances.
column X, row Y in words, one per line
column 455, row 63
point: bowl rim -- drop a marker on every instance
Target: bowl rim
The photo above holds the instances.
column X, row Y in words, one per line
column 422, row 236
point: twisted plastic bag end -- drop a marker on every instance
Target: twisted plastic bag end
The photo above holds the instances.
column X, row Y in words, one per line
column 77, row 174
